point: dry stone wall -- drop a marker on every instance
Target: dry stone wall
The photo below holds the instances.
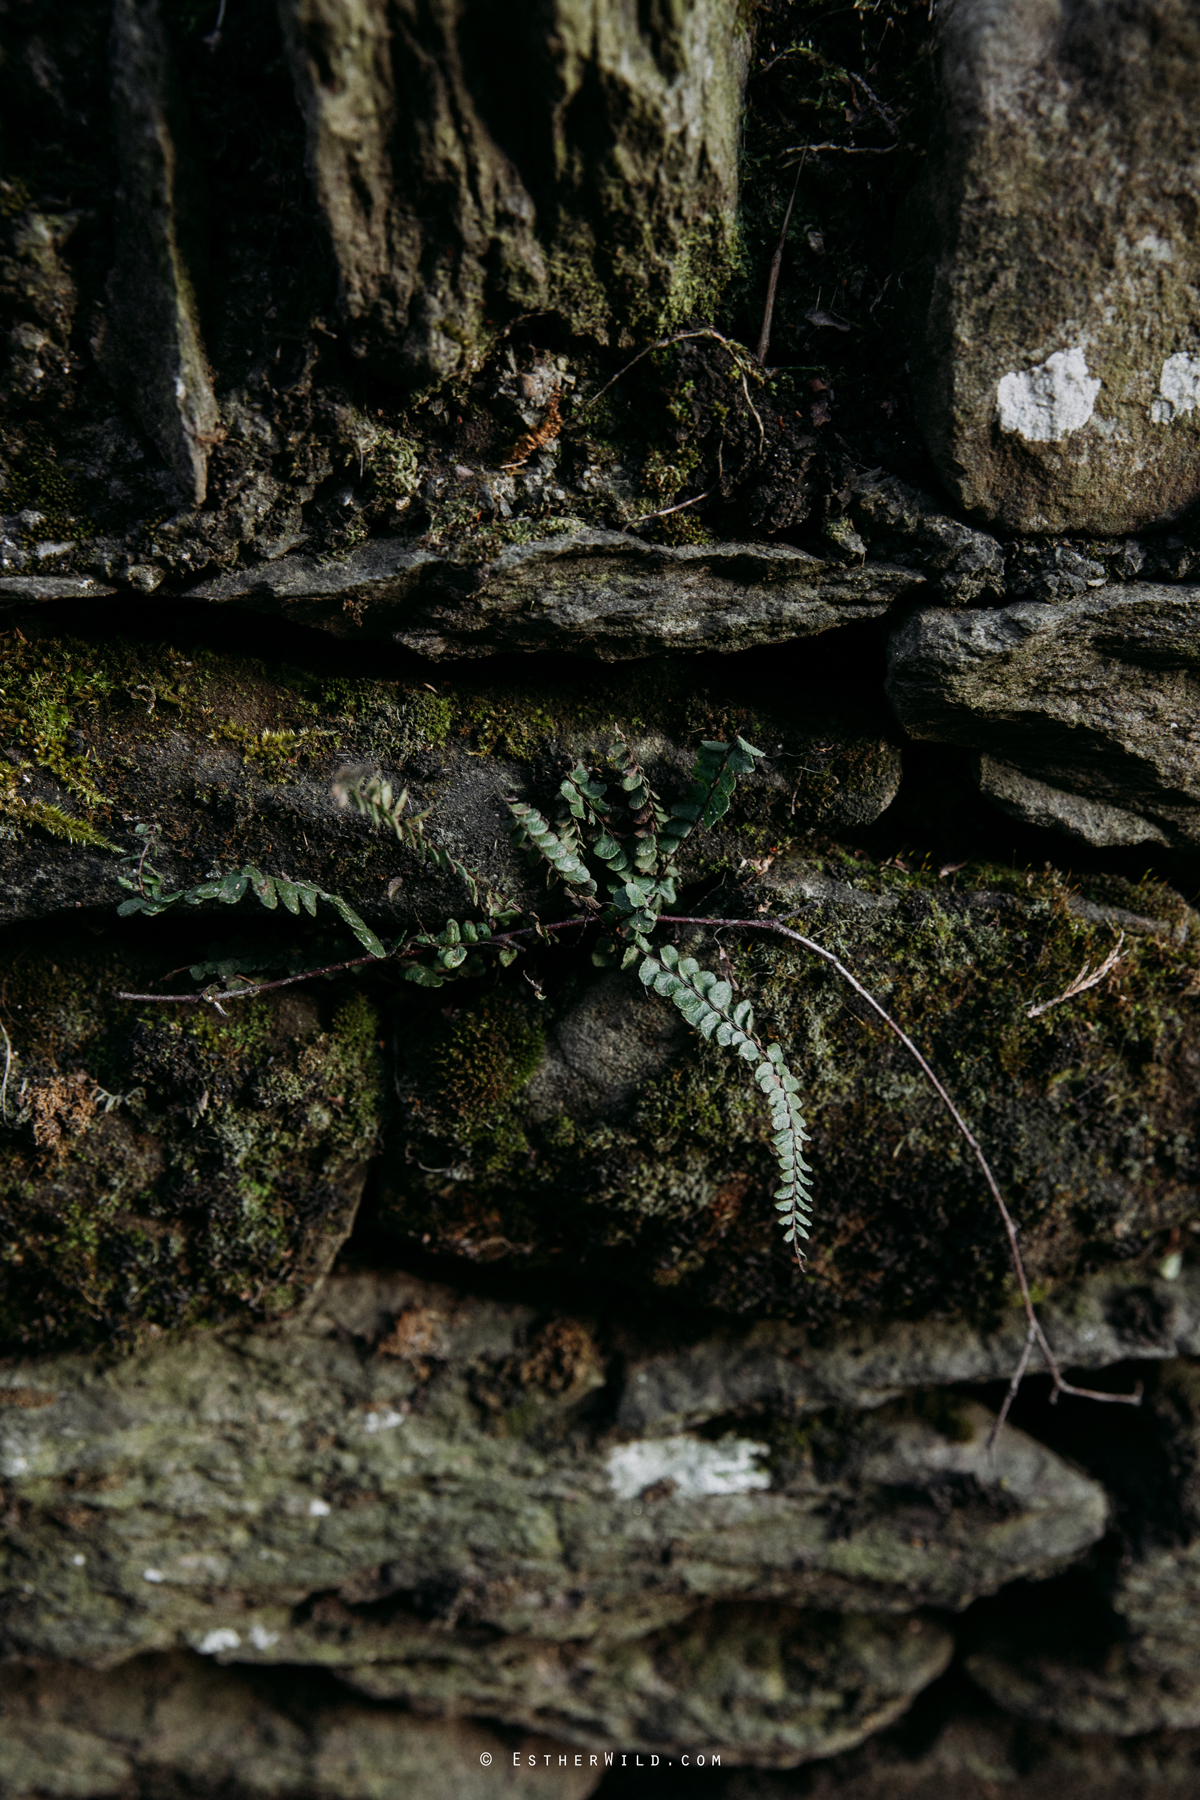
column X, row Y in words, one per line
column 406, row 1390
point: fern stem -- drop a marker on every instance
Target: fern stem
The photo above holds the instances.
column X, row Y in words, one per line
column 777, row 928
column 200, row 998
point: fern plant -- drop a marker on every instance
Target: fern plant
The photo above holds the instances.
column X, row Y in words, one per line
column 611, row 846
column 632, row 836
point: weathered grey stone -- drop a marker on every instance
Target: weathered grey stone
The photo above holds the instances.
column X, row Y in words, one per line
column 1037, row 803
column 152, row 345
column 762, row 1685
column 978, row 1753
column 1058, row 361
column 599, row 1052
column 79, row 1734
column 902, row 525
column 37, row 291
column 1117, row 1698
column 412, row 118
column 1096, row 698
column 211, row 1486
column 595, row 593
column 1104, row 1320
column 22, row 590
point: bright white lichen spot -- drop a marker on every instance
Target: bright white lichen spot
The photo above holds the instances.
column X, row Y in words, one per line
column 216, row 1641
column 318, row 1509
column 261, row 1638
column 695, row 1467
column 1046, row 403
column 1156, row 248
column 1179, row 385
column 382, row 1421
column 154, row 1575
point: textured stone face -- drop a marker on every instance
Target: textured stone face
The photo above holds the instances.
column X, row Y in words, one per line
column 465, row 165
column 1086, row 709
column 138, row 1730
column 156, row 351
column 1058, row 362
column 417, row 1490
column 592, row 593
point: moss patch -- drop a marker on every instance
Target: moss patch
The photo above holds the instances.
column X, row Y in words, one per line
column 162, row 1168
column 1087, row 1113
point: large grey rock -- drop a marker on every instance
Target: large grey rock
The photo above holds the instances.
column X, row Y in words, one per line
column 171, row 1723
column 763, row 1685
column 1117, row 1698
column 1089, row 700
column 409, row 1474
column 450, row 166
column 1058, row 353
column 1107, row 1319
column 238, row 766
column 594, row 593
column 152, row 345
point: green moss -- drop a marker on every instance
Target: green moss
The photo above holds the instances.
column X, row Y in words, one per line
column 161, row 1168
column 35, row 479
column 479, row 1060
column 1086, row 1113
column 432, row 717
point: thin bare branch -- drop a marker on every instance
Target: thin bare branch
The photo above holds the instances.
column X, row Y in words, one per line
column 8, row 1056
column 663, row 511
column 845, row 150
column 764, row 336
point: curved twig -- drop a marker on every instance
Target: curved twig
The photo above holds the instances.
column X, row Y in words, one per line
column 779, row 929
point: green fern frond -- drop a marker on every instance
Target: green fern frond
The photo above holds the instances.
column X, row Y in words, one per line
column 714, row 778
column 531, row 830
column 150, row 897
column 455, row 953
column 706, row 1002
column 385, row 809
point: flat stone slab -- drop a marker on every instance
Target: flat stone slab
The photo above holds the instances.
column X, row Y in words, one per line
column 1087, row 710
column 25, row 590
column 595, row 593
column 405, row 1439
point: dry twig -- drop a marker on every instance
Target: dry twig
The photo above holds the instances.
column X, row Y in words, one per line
column 1085, row 979
column 764, row 336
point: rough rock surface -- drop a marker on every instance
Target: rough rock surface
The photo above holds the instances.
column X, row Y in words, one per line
column 158, row 1721
column 594, row 593
column 1058, row 353
column 902, row 525
column 259, row 1498
column 156, row 350
column 414, row 113
column 1092, row 703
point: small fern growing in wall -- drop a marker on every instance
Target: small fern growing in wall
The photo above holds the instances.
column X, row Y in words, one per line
column 611, row 847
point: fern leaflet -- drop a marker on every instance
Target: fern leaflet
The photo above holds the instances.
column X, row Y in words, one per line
column 706, row 1003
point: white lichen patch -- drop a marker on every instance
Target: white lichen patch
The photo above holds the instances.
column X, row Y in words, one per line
column 1155, row 248
column 382, row 1421
column 694, row 1467
column 1179, row 386
column 215, row 1642
column 1044, row 404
